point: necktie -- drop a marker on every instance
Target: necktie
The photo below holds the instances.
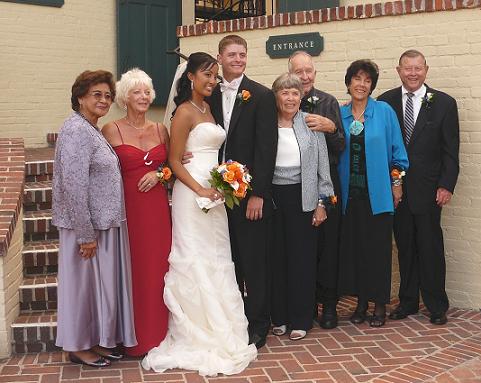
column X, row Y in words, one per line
column 409, row 118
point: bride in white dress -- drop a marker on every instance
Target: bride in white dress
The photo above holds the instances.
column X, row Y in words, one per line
column 207, row 329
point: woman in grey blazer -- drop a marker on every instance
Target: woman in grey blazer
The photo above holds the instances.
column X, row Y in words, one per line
column 300, row 188
column 94, row 287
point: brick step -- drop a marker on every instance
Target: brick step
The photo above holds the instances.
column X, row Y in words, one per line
column 35, row 332
column 37, row 195
column 37, row 226
column 40, row 258
column 38, row 293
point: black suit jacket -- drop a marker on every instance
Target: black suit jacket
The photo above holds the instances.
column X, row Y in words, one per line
column 252, row 135
column 433, row 149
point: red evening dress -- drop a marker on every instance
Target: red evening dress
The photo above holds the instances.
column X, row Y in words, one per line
column 149, row 225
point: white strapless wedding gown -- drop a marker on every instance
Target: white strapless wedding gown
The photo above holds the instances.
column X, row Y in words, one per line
column 207, row 326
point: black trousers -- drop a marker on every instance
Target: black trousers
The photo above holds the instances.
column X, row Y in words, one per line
column 419, row 239
column 249, row 245
column 328, row 249
column 294, row 260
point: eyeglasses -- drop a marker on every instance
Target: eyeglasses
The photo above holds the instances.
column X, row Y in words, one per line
column 99, row 95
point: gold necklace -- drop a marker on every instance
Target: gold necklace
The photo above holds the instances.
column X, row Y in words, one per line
column 132, row 125
column 198, row 108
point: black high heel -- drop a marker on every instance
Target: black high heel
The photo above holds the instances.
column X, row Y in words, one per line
column 100, row 362
column 108, row 353
column 359, row 315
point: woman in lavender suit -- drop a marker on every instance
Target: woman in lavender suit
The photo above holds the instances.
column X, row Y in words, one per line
column 94, row 288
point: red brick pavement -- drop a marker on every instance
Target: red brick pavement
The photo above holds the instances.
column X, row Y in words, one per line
column 407, row 351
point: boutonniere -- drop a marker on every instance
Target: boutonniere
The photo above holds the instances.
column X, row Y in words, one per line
column 243, row 96
column 428, row 99
column 311, row 103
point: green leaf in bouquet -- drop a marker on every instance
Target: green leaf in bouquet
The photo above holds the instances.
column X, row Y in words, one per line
column 229, row 200
column 236, row 200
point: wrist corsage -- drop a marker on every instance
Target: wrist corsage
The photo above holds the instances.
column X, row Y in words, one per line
column 397, row 177
column 164, row 174
column 327, row 202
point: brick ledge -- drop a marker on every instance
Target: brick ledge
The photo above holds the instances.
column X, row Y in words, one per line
column 12, row 175
column 361, row 11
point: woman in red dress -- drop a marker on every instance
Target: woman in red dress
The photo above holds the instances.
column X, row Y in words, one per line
column 142, row 146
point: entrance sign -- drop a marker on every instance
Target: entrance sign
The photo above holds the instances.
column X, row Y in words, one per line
column 284, row 45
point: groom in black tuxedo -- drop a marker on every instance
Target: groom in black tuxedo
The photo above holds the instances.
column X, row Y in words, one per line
column 430, row 127
column 247, row 111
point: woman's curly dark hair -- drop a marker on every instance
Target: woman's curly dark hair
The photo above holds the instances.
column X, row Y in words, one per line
column 89, row 78
column 197, row 61
column 367, row 66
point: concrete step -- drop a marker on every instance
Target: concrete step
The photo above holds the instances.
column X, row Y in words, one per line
column 35, row 332
column 40, row 258
column 37, row 226
column 37, row 195
column 38, row 293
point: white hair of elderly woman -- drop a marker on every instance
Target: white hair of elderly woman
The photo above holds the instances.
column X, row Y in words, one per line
column 130, row 80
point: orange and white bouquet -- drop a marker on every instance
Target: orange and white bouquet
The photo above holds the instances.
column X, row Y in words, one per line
column 232, row 179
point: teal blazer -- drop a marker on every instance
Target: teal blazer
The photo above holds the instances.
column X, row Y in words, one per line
column 384, row 148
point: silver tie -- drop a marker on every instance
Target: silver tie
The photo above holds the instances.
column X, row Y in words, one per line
column 409, row 118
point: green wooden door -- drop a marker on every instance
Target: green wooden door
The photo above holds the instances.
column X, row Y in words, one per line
column 146, row 30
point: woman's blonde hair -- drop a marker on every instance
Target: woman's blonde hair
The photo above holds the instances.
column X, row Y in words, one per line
column 128, row 81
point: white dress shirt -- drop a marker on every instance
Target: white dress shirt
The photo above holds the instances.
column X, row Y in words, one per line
column 417, row 100
column 229, row 93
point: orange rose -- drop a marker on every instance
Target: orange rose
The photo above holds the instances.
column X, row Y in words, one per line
column 238, row 175
column 241, row 191
column 228, row 176
column 167, row 173
column 233, row 167
column 246, row 95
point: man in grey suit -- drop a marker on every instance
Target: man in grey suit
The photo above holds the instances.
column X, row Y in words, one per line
column 325, row 117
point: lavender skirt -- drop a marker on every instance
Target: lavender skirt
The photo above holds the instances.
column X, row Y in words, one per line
column 95, row 295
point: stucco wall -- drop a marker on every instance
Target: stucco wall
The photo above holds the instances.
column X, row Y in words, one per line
column 452, row 43
column 43, row 50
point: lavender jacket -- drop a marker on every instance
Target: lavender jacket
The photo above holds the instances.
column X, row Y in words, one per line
column 87, row 185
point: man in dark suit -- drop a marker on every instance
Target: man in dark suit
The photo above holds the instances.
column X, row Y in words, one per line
column 430, row 127
column 325, row 117
column 247, row 111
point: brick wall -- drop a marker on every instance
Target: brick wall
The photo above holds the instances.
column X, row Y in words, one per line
column 449, row 34
column 43, row 50
column 12, row 165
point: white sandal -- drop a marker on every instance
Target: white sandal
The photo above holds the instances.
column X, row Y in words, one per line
column 297, row 334
column 279, row 330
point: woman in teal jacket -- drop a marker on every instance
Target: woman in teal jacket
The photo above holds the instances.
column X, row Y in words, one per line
column 370, row 170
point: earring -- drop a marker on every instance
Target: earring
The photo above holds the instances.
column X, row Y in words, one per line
column 192, row 85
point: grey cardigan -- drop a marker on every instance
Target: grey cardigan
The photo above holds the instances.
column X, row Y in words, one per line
column 315, row 176
column 87, row 185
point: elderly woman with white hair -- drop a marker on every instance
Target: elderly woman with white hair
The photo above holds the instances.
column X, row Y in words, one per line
column 301, row 187
column 142, row 148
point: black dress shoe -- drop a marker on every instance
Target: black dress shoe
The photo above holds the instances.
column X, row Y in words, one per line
column 438, row 318
column 258, row 340
column 401, row 313
column 100, row 362
column 328, row 319
column 358, row 317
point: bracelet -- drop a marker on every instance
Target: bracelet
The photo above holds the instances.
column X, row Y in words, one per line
column 397, row 182
column 320, row 203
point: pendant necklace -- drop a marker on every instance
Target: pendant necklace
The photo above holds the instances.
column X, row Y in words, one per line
column 357, row 126
column 202, row 110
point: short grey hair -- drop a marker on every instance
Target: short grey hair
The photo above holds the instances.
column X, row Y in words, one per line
column 128, row 81
column 295, row 54
column 287, row 81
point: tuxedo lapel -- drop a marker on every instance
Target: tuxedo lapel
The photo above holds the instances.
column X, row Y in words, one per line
column 238, row 106
column 216, row 106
